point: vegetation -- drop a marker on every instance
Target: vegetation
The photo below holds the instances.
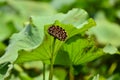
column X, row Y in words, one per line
column 59, row 40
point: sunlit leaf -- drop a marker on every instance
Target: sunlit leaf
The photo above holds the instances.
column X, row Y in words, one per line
column 60, row 73
column 59, row 3
column 5, row 31
column 43, row 52
column 29, row 8
column 80, row 50
column 34, row 42
column 106, row 33
column 26, row 40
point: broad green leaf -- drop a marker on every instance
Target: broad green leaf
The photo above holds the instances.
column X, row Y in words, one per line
column 4, row 35
column 60, row 73
column 76, row 17
column 43, row 52
column 9, row 25
column 26, row 40
column 1, row 77
column 31, row 44
column 62, row 58
column 80, row 50
column 106, row 32
column 29, row 8
column 5, row 31
column 59, row 3
column 16, row 12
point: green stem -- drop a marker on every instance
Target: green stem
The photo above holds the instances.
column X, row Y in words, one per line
column 43, row 71
column 51, row 70
column 71, row 76
column 52, row 61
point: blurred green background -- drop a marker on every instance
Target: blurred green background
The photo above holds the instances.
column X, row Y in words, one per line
column 14, row 14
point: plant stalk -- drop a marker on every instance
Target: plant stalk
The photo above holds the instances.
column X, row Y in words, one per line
column 52, row 61
column 43, row 71
column 71, row 76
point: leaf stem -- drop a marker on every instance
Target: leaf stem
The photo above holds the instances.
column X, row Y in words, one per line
column 43, row 71
column 52, row 60
column 71, row 76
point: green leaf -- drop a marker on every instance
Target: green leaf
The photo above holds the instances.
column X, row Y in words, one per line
column 107, row 32
column 59, row 3
column 34, row 43
column 80, row 50
column 31, row 37
column 9, row 24
column 43, row 52
column 5, row 31
column 5, row 69
column 1, row 77
column 60, row 73
column 25, row 40
column 62, row 58
column 29, row 8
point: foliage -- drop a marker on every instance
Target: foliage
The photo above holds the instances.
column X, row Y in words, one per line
column 80, row 56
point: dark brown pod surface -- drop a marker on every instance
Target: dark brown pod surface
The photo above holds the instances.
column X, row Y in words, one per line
column 57, row 32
